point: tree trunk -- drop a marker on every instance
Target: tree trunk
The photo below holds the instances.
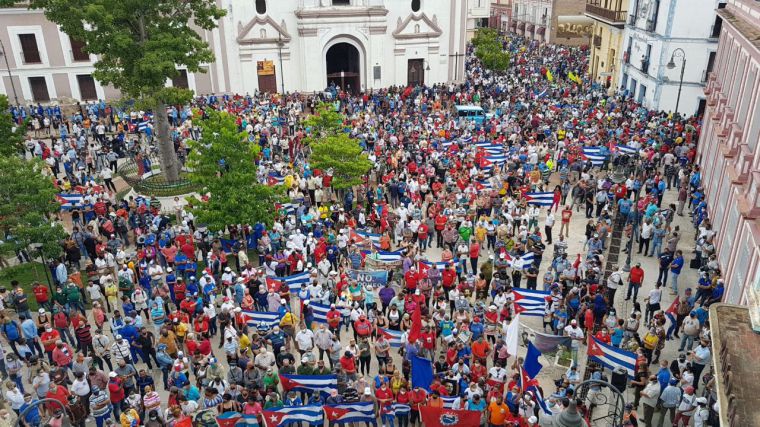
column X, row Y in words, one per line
column 169, row 164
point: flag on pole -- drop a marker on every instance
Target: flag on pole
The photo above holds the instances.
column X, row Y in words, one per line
column 422, row 372
column 540, row 198
column 512, row 335
column 278, row 417
column 612, row 357
column 309, row 383
column 360, row 412
column 531, row 365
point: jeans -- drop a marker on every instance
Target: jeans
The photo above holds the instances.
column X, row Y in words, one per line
column 633, row 288
column 387, row 420
column 687, row 342
column 66, row 336
column 99, row 421
column 675, row 281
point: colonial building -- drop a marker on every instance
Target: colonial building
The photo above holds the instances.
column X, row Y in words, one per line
column 669, row 49
column 289, row 45
column 552, row 21
column 607, row 41
column 501, row 14
column 729, row 149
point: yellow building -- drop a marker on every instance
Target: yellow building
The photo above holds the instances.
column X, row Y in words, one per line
column 606, row 50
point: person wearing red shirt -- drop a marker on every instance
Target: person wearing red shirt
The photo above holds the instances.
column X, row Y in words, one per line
column 41, row 295
column 201, row 324
column 348, row 363
column 567, row 213
column 188, row 305
column 474, row 254
column 59, row 393
column 428, row 339
column 116, row 392
column 333, row 320
column 384, row 397
column 477, row 371
column 440, row 224
column 362, row 327
column 417, row 398
column 49, row 337
column 422, row 236
column 411, row 278
column 635, row 279
column 205, row 346
column 480, row 349
column 448, row 277
column 603, row 336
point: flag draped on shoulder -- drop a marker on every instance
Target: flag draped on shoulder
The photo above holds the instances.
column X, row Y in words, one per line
column 309, row 383
column 612, row 357
column 360, row 412
column 285, row 415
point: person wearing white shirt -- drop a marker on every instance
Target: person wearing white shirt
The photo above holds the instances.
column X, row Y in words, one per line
column 653, row 301
column 701, row 414
column 305, row 340
column 576, row 334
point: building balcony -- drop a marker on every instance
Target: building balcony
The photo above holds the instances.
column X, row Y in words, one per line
column 614, row 17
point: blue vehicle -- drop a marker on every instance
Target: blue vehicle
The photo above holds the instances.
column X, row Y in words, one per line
column 470, row 113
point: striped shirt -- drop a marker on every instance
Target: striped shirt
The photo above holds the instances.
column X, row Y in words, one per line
column 96, row 400
column 152, row 401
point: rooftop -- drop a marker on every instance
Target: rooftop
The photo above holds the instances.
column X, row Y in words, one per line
column 735, row 346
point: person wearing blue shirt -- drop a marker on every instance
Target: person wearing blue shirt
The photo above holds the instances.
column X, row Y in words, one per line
column 675, row 270
column 32, row 417
column 464, row 353
column 31, row 335
column 476, row 328
column 476, row 404
column 129, row 332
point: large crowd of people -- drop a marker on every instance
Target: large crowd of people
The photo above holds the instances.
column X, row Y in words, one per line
column 145, row 299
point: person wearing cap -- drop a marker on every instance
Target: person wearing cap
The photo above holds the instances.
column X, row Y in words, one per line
column 669, row 400
column 686, row 407
column 701, row 413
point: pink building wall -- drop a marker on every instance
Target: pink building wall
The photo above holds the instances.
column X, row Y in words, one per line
column 729, row 148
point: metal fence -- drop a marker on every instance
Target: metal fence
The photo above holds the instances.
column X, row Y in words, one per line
column 145, row 176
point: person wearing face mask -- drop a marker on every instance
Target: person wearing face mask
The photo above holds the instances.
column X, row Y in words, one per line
column 14, row 396
column 49, row 337
column 32, row 418
column 649, row 397
column 63, row 355
column 100, row 405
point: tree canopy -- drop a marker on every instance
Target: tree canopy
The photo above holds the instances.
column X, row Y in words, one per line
column 11, row 137
column 27, row 206
column 324, row 122
column 343, row 155
column 223, row 162
column 489, row 49
column 139, row 46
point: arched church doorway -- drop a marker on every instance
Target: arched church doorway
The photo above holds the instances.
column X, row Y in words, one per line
column 344, row 67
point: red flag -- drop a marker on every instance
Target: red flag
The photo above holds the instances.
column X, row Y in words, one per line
column 673, row 309
column 416, row 331
column 441, row 417
column 184, row 422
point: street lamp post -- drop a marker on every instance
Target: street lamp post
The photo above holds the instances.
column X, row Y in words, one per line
column 10, row 76
column 38, row 247
column 282, row 72
column 678, row 53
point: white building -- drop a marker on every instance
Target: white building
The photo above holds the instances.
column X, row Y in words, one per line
column 295, row 45
column 658, row 32
column 478, row 15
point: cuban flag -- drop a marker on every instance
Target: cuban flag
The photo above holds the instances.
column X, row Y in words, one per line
column 236, row 419
column 361, row 412
column 275, row 178
column 320, row 312
column 142, row 125
column 360, row 236
column 294, row 282
column 483, row 185
column 465, row 139
column 490, row 148
column 424, row 266
column 386, row 256
column 524, row 262
column 594, row 154
column 309, row 383
column 69, row 200
column 397, row 409
column 254, row 319
column 497, row 159
column 530, row 302
column 446, row 144
column 540, row 199
column 310, row 414
column 289, row 208
column 624, row 149
column 393, row 337
column 448, row 401
column 612, row 357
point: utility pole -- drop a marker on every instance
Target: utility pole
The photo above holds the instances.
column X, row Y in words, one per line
column 10, row 76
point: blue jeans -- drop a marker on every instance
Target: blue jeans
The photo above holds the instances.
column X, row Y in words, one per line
column 674, row 283
column 687, row 342
column 99, row 421
column 387, row 419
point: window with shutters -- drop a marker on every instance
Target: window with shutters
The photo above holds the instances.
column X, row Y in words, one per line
column 29, row 49
column 87, row 91
column 77, row 50
column 39, row 89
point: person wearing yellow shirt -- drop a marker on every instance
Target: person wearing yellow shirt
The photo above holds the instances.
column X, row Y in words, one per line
column 180, row 329
column 480, row 232
column 245, row 343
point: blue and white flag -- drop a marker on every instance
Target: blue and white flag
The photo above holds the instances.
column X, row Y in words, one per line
column 624, row 149
column 393, row 337
column 282, row 416
column 524, row 262
column 397, row 409
column 529, row 302
column 465, row 139
column 360, row 236
column 540, row 198
column 386, row 256
column 439, row 265
column 142, row 125
column 309, row 383
column 612, row 357
column 497, row 159
column 360, row 412
column 594, row 154
column 294, row 282
column 69, row 201
column 449, row 401
column 320, row 312
column 289, row 208
column 266, row 320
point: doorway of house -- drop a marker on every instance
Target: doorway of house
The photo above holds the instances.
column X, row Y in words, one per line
column 343, row 68
column 415, row 72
